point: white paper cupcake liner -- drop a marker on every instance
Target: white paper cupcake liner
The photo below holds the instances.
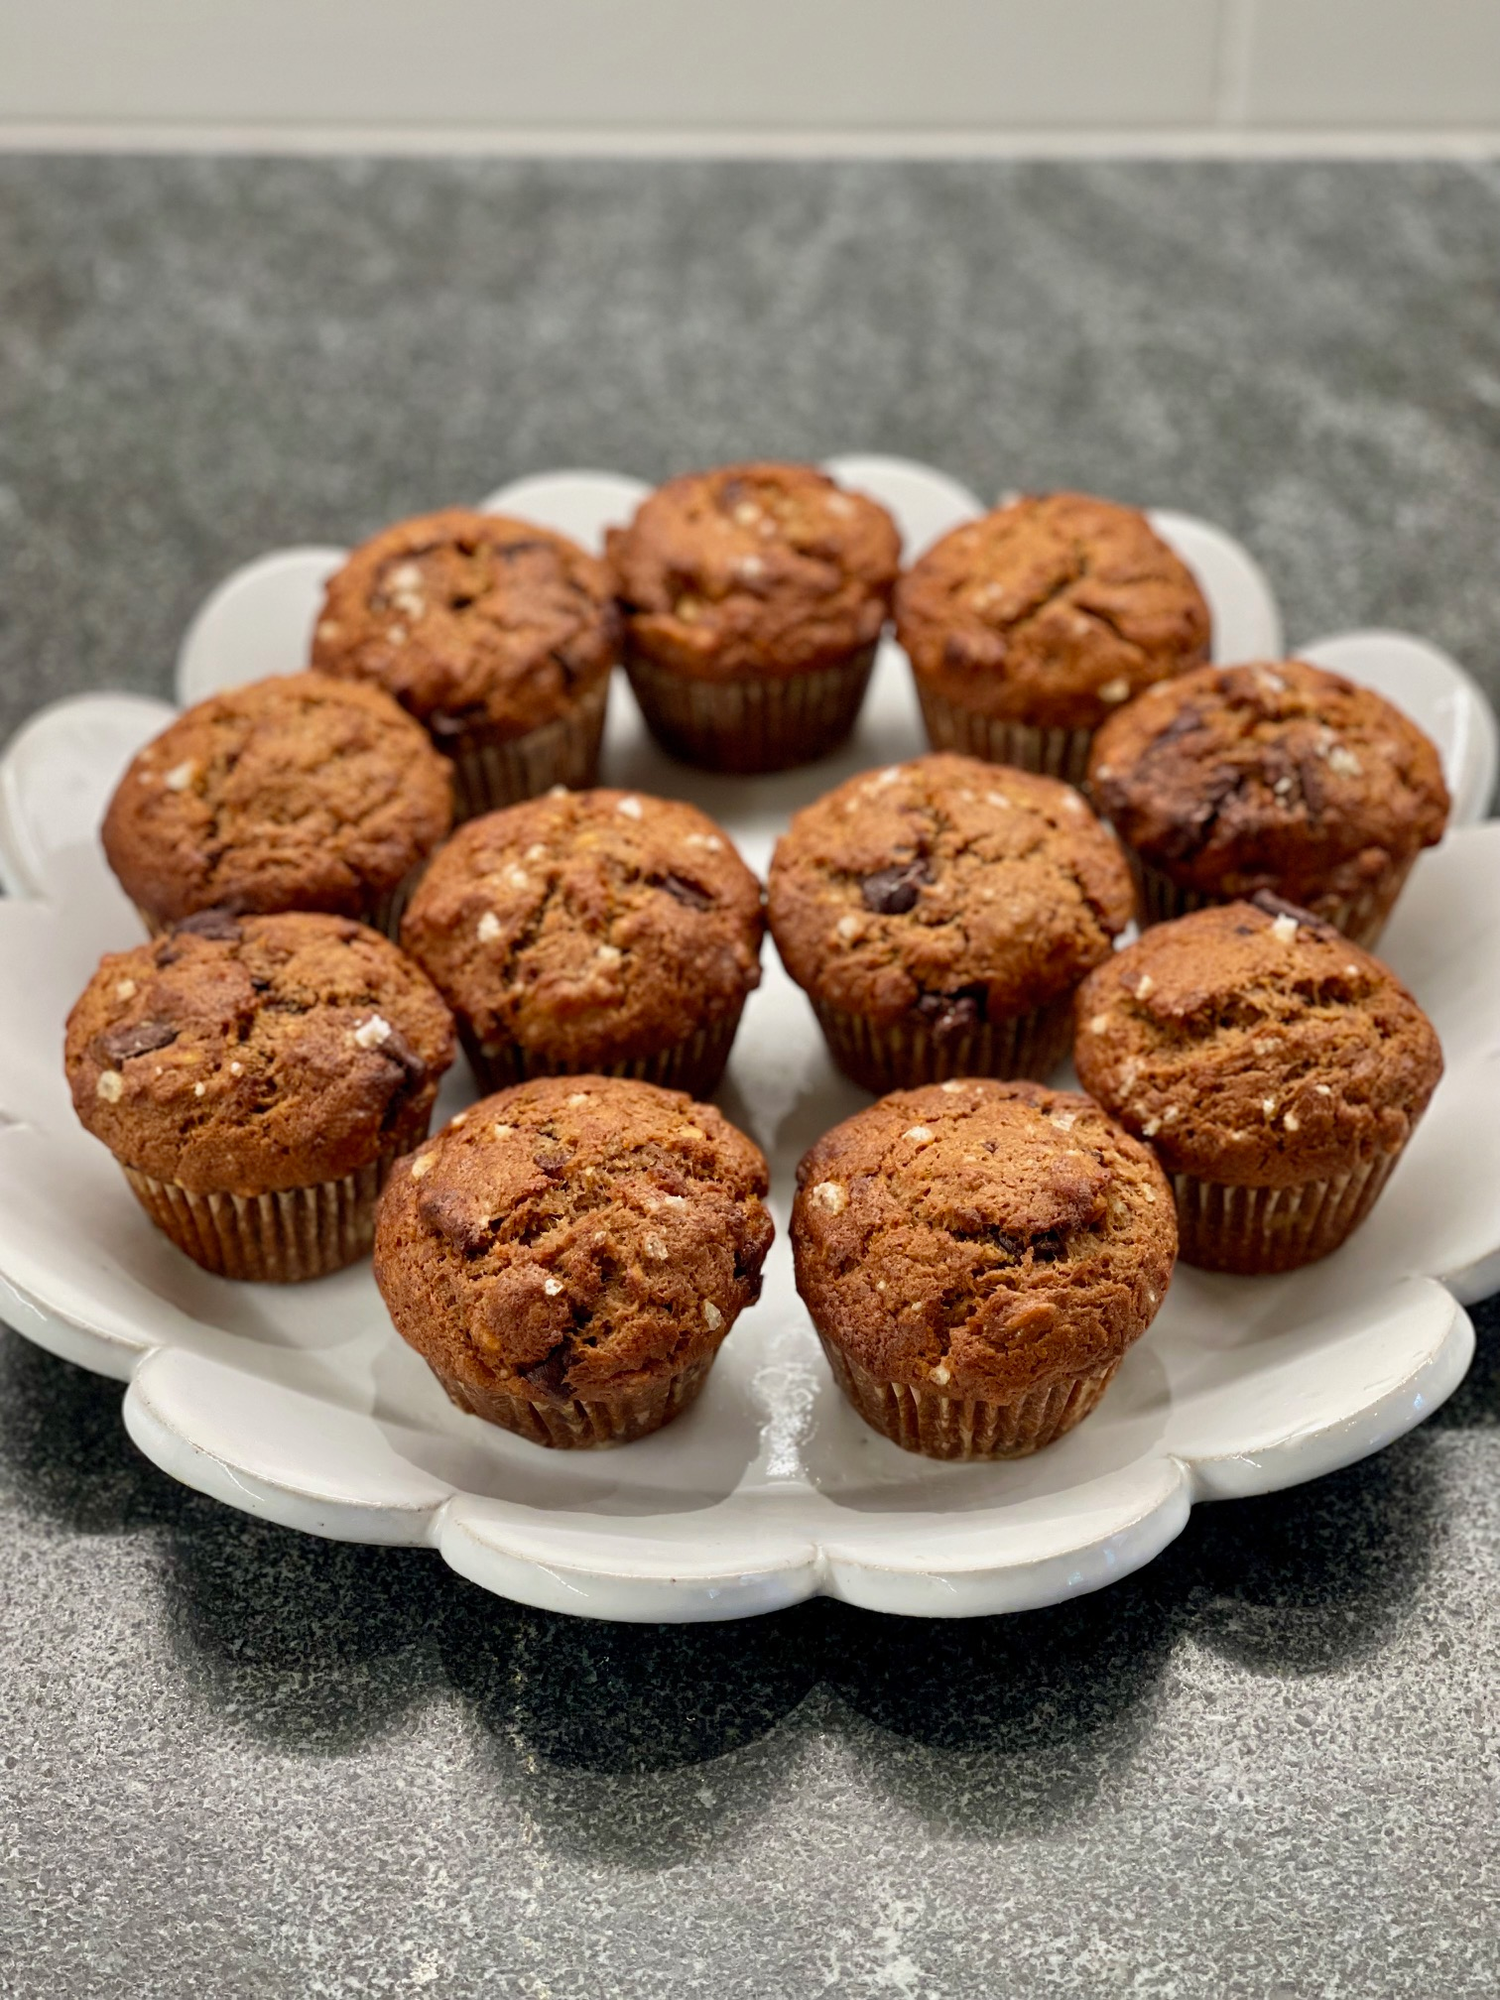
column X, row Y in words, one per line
column 925, row 1420
column 882, row 1057
column 1260, row 1230
column 382, row 912
column 491, row 770
column 1360, row 917
column 1055, row 753
column 571, row 1424
column 279, row 1238
column 695, row 1064
column 746, row 726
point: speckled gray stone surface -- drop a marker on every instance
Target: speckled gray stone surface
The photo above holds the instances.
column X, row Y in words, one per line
column 242, row 1763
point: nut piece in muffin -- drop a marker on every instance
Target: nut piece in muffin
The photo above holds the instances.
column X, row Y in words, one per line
column 1274, row 776
column 940, row 916
column 256, row 1078
column 977, row 1257
column 295, row 793
column 1277, row 1069
column 497, row 635
column 592, row 931
column 754, row 596
column 567, row 1256
column 1025, row 629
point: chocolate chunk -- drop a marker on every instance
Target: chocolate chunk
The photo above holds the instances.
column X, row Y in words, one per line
column 684, row 891
column 120, row 1044
column 947, row 1014
column 891, row 892
column 398, row 1050
column 550, row 1374
column 218, row 923
column 1278, row 906
column 1314, row 775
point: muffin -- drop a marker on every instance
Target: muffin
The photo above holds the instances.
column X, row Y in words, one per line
column 1277, row 1069
column 294, row 793
column 498, row 636
column 592, row 931
column 940, row 916
column 567, row 1256
column 753, row 598
column 1281, row 777
column 256, row 1078
column 1026, row 629
column 977, row 1257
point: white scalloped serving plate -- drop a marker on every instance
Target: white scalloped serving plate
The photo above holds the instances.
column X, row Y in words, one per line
column 303, row 1406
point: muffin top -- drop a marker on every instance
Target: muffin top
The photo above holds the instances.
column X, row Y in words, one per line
column 1255, row 1045
column 573, row 1235
column 294, row 793
column 589, row 926
column 1279, row 777
column 245, row 1055
column 755, row 570
column 982, row 1238
column 470, row 618
column 947, row 887
column 1052, row 610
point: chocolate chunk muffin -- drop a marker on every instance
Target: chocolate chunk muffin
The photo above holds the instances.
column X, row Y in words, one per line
column 1274, row 776
column 940, row 916
column 754, row 596
column 1277, row 1069
column 256, row 1078
column 294, row 793
column 497, row 635
column 1026, row 629
column 567, row 1256
column 592, row 931
column 977, row 1257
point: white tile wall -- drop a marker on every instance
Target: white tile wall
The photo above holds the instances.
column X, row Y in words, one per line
column 1373, row 62
column 580, row 70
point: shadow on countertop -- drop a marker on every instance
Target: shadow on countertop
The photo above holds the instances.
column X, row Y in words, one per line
column 649, row 1744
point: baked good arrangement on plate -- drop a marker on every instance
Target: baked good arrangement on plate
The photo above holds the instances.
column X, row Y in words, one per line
column 904, row 1316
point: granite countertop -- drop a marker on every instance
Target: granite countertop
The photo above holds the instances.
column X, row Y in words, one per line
column 239, row 1762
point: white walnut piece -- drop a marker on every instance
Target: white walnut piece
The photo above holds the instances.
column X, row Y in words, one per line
column 830, row 1195
column 489, row 927
column 111, row 1086
column 713, row 1319
column 373, row 1033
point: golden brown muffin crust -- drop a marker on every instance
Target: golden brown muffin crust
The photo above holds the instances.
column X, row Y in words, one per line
column 1051, row 610
column 589, row 927
column 248, row 1055
column 982, row 1238
column 1252, row 1044
column 573, row 1236
column 1275, row 775
column 755, row 570
column 298, row 792
column 464, row 616
column 960, row 890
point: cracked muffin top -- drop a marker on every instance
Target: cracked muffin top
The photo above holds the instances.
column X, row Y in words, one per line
column 266, row 1052
column 589, row 927
column 1253, row 1044
column 470, row 618
column 293, row 793
column 1271, row 776
column 947, row 887
column 755, row 570
column 1052, row 610
column 982, row 1238
column 573, row 1236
